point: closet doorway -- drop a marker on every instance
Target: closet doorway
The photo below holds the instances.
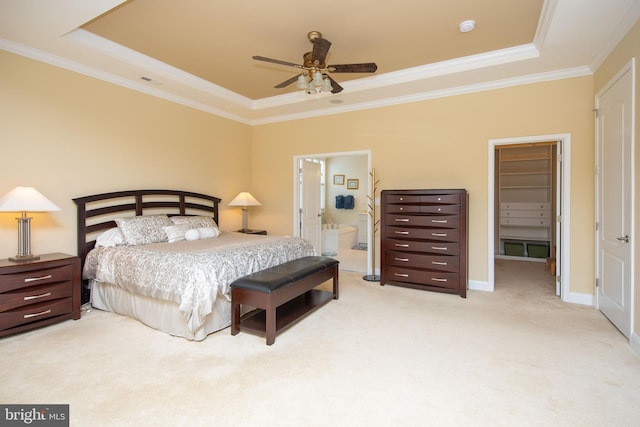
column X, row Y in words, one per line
column 528, row 213
column 343, row 227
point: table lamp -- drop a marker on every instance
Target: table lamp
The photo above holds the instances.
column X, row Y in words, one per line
column 23, row 199
column 244, row 199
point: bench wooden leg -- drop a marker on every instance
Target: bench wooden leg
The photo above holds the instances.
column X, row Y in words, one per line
column 235, row 318
column 335, row 282
column 270, row 314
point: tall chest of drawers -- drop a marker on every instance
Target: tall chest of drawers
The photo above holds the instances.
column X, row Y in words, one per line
column 38, row 293
column 424, row 239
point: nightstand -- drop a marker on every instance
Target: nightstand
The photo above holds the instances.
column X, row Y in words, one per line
column 39, row 292
column 248, row 231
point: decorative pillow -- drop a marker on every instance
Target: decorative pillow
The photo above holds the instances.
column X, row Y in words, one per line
column 195, row 221
column 201, row 233
column 175, row 233
column 142, row 230
column 111, row 237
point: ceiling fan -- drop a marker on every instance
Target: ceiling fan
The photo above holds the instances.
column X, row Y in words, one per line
column 314, row 77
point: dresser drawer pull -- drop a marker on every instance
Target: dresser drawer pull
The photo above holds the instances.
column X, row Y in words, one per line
column 29, row 298
column 402, row 259
column 440, row 221
column 402, row 232
column 35, row 279
column 439, row 263
column 438, row 248
column 401, row 275
column 402, row 245
column 439, row 234
column 402, row 219
column 28, row 316
column 436, row 279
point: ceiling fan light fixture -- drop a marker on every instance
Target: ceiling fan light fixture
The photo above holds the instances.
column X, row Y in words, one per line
column 317, row 79
column 326, row 85
column 302, row 82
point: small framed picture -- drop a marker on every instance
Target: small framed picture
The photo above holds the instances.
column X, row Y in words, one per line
column 338, row 179
column 352, row 184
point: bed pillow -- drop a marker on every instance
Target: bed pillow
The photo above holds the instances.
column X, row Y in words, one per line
column 111, row 237
column 201, row 233
column 195, row 221
column 145, row 229
column 175, row 233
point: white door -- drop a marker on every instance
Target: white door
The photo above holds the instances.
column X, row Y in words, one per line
column 310, row 215
column 614, row 105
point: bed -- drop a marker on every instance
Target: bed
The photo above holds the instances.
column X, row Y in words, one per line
column 158, row 256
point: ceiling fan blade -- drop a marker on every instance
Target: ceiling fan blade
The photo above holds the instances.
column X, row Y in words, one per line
column 334, row 84
column 287, row 82
column 276, row 61
column 367, row 67
column 320, row 49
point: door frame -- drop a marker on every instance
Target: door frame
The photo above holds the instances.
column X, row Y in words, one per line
column 296, row 198
column 564, row 141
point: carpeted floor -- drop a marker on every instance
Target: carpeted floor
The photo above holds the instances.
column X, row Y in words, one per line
column 378, row 356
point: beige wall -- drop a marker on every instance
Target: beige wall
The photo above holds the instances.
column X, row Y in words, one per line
column 75, row 131
column 68, row 136
column 442, row 143
column 352, row 167
column 628, row 48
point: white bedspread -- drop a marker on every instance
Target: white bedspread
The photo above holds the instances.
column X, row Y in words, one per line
column 191, row 273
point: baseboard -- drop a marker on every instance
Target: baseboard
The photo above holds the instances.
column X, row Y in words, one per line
column 578, row 298
column 634, row 343
column 476, row 285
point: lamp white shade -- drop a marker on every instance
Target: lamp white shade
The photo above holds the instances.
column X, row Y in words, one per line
column 26, row 199
column 23, row 199
column 244, row 199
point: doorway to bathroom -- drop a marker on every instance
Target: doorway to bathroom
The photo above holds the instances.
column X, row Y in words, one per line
column 343, row 188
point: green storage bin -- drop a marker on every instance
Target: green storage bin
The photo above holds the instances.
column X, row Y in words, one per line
column 537, row 251
column 513, row 249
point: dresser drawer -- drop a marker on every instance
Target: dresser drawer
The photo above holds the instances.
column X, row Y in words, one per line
column 441, row 221
column 444, row 248
column 422, row 233
column 440, row 209
column 34, row 313
column 43, row 276
column 444, row 235
column 440, row 279
column 525, row 214
column 431, row 262
column 526, row 206
column 34, row 294
column 530, row 222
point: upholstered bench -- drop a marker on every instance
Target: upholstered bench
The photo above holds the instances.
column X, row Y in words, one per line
column 283, row 294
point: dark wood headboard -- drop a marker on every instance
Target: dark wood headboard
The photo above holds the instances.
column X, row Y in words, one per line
column 98, row 212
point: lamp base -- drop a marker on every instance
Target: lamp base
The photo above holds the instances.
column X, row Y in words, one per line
column 24, row 258
column 371, row 278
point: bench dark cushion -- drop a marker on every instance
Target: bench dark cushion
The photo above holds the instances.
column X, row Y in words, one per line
column 279, row 276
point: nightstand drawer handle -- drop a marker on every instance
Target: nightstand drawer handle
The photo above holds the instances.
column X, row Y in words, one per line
column 439, row 234
column 27, row 316
column 440, row 221
column 400, row 275
column 435, row 279
column 402, row 246
column 48, row 294
column 402, row 219
column 402, row 232
column 436, row 248
column 402, row 259
column 35, row 279
column 438, row 263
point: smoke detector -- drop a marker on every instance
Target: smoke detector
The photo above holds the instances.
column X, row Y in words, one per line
column 466, row 26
